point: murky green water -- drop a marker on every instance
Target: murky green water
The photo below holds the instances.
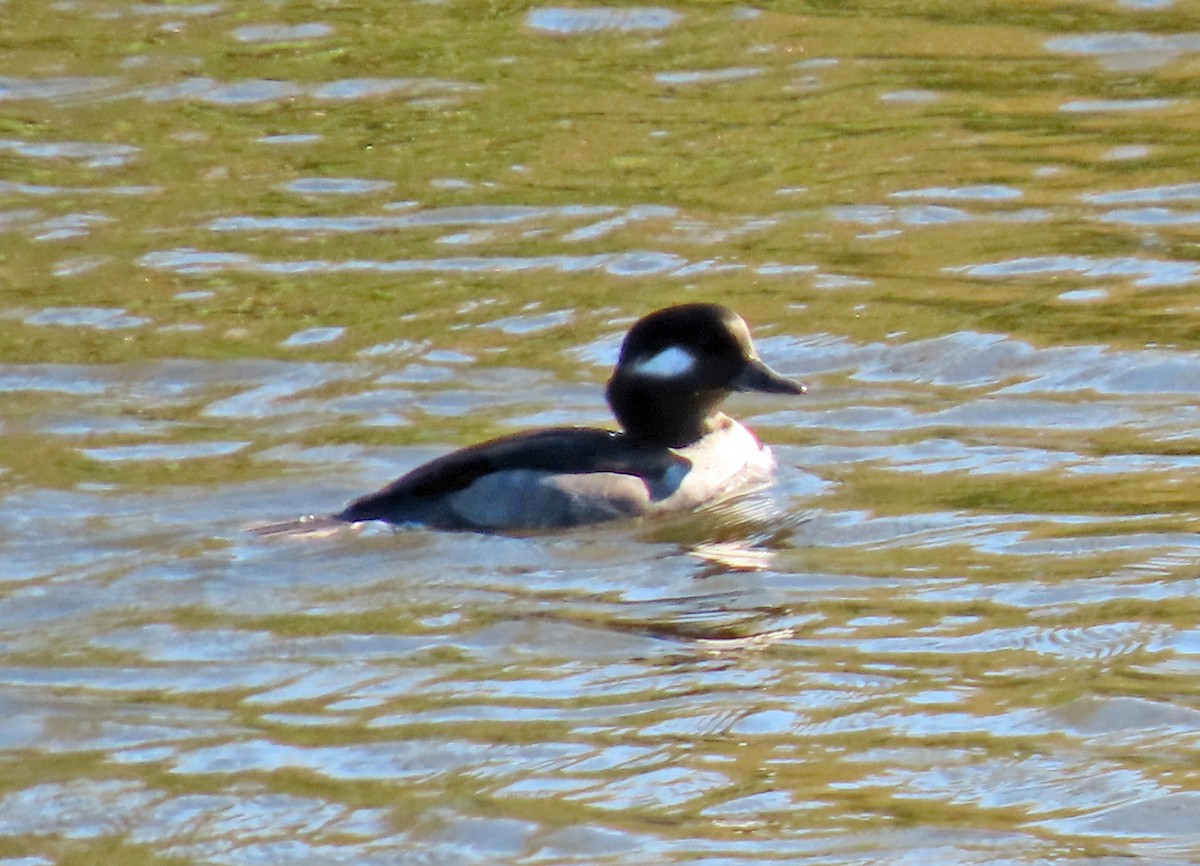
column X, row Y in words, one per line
column 259, row 258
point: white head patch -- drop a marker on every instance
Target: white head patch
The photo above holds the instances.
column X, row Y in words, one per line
column 671, row 362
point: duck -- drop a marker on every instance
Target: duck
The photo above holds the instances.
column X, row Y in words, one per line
column 675, row 451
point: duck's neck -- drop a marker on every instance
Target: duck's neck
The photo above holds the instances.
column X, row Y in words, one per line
column 673, row 420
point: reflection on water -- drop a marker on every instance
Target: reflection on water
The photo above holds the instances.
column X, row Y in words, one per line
column 258, row 261
column 566, row 20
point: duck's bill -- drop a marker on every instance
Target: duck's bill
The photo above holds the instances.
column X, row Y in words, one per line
column 757, row 376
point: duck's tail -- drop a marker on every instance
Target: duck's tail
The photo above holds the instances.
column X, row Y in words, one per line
column 311, row 526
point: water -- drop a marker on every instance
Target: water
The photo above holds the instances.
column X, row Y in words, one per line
column 258, row 259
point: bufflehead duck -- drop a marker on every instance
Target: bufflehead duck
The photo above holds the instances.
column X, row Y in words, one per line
column 676, row 451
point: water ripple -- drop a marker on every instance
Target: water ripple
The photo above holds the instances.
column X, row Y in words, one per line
column 270, row 33
column 709, row 76
column 314, row 336
column 1085, row 106
column 531, row 324
column 1131, row 51
column 463, row 215
column 101, row 318
column 186, row 261
column 1151, row 216
column 47, row 191
column 408, row 759
column 253, row 92
column 89, row 154
column 277, row 828
column 994, row 193
column 335, row 186
column 163, row 451
column 171, row 9
column 52, row 89
column 1146, row 195
column 558, row 19
column 961, row 629
column 1149, row 273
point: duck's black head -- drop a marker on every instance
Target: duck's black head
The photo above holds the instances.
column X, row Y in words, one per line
column 676, row 367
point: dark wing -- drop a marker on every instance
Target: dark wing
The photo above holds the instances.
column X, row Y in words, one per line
column 567, row 450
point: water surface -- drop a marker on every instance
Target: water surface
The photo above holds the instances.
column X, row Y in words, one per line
column 258, row 259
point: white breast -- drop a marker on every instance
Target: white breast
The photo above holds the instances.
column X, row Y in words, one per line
column 725, row 462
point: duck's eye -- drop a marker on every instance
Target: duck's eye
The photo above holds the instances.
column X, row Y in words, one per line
column 712, row 347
